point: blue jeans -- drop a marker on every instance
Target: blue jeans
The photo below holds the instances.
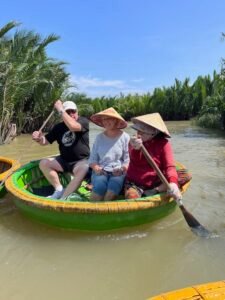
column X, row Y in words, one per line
column 103, row 183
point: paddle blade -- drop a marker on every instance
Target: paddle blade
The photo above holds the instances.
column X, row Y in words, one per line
column 203, row 232
column 192, row 222
column 196, row 227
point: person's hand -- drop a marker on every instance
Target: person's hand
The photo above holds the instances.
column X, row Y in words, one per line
column 98, row 170
column 36, row 136
column 136, row 142
column 117, row 172
column 58, row 105
column 174, row 191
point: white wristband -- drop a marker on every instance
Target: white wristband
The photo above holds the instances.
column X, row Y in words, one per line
column 42, row 139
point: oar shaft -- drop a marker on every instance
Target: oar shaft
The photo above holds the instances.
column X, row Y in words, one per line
column 46, row 121
column 158, row 172
column 154, row 166
column 191, row 221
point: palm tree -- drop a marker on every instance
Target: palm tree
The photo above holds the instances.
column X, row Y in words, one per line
column 28, row 78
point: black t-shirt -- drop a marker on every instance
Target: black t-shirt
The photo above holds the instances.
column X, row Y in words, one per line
column 73, row 146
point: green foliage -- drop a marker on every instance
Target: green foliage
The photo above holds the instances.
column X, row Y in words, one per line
column 209, row 120
column 29, row 80
column 181, row 101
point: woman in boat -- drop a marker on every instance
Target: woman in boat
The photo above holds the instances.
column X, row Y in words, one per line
column 109, row 157
column 142, row 179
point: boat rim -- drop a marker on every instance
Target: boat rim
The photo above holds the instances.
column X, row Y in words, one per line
column 124, row 205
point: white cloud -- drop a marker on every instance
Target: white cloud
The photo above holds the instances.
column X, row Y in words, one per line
column 138, row 80
column 88, row 82
column 97, row 87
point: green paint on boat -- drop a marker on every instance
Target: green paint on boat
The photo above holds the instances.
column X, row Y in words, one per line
column 27, row 185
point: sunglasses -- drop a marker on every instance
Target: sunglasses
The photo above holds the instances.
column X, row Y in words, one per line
column 71, row 111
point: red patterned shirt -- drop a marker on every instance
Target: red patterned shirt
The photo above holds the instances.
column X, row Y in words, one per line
column 142, row 174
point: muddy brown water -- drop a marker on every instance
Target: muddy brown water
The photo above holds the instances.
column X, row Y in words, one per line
column 39, row 262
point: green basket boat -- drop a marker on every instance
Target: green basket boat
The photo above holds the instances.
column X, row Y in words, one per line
column 7, row 166
column 30, row 188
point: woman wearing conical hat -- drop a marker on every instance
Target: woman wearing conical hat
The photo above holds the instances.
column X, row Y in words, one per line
column 109, row 157
column 141, row 178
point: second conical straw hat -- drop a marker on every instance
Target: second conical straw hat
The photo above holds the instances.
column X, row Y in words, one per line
column 154, row 120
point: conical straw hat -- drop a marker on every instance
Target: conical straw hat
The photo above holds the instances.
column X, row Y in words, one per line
column 154, row 120
column 110, row 113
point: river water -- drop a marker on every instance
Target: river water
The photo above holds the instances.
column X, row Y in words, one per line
column 39, row 262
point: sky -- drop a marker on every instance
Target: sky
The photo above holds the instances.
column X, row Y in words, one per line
column 126, row 46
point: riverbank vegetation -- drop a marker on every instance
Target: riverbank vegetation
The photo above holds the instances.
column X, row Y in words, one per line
column 30, row 82
column 203, row 100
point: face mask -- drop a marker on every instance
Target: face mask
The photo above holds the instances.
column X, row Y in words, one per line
column 145, row 136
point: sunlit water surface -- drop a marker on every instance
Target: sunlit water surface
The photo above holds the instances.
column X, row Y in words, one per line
column 38, row 262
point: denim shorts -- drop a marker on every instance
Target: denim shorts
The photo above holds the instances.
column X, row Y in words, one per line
column 107, row 182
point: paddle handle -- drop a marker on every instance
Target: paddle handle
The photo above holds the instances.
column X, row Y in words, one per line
column 159, row 173
column 154, row 166
column 46, row 121
column 192, row 222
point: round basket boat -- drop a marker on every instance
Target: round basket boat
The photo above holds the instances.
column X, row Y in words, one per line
column 7, row 166
column 211, row 291
column 30, row 190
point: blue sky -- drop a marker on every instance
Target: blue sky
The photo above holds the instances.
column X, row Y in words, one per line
column 127, row 46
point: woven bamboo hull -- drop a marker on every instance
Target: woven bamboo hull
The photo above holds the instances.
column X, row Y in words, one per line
column 82, row 215
column 210, row 291
column 7, row 166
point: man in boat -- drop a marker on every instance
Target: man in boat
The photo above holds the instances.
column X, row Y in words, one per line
column 72, row 136
column 142, row 179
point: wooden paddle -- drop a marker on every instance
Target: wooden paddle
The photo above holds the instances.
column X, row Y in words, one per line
column 46, row 121
column 43, row 125
column 195, row 226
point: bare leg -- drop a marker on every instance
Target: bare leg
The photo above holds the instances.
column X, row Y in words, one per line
column 109, row 196
column 80, row 170
column 95, row 197
column 132, row 193
column 50, row 168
